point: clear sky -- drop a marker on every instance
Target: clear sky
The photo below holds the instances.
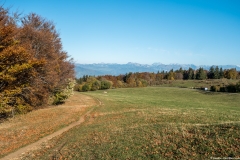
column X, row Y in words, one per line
column 200, row 32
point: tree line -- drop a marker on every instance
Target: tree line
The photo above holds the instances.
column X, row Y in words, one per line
column 34, row 68
column 143, row 79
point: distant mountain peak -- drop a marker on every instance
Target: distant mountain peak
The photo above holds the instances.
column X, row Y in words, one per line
column 157, row 64
column 132, row 63
column 117, row 69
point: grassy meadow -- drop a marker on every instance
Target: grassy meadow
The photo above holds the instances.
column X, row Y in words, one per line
column 198, row 83
column 152, row 123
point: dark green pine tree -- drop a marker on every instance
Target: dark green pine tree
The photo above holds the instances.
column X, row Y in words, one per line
column 221, row 73
column 210, row 74
column 185, row 74
column 191, row 73
column 180, row 70
column 216, row 73
column 200, row 74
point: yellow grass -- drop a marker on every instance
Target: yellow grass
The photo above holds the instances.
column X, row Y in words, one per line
column 25, row 129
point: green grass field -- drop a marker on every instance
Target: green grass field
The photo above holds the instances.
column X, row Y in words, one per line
column 153, row 123
column 198, row 83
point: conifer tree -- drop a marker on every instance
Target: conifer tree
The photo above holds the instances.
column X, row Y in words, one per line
column 200, row 74
column 221, row 73
column 211, row 72
column 216, row 73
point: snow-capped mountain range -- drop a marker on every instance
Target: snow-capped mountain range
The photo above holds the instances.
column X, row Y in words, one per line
column 117, row 69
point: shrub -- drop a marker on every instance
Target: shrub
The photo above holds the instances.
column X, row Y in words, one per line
column 120, row 84
column 59, row 98
column 60, row 95
column 22, row 109
column 77, row 87
column 223, row 89
column 5, row 110
column 231, row 88
column 215, row 88
column 106, row 84
column 85, row 87
column 238, row 87
column 96, row 85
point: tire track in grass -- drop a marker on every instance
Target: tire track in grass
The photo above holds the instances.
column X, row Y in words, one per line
column 36, row 145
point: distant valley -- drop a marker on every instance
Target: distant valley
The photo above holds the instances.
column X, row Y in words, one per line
column 97, row 69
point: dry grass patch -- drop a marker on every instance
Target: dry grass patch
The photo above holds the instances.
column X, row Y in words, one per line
column 28, row 128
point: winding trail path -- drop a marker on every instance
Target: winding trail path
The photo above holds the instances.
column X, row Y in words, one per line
column 36, row 145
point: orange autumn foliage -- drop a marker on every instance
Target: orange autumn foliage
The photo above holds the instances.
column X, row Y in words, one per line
column 32, row 63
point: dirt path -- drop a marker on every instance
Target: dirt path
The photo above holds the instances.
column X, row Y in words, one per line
column 36, row 145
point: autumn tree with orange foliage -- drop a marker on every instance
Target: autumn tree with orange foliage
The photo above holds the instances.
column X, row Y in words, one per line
column 39, row 36
column 33, row 66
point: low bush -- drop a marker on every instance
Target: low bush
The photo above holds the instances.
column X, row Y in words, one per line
column 215, row 88
column 86, row 87
column 106, row 84
column 60, row 95
column 238, row 87
column 232, row 88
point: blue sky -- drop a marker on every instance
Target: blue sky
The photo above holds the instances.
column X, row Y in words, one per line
column 200, row 32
